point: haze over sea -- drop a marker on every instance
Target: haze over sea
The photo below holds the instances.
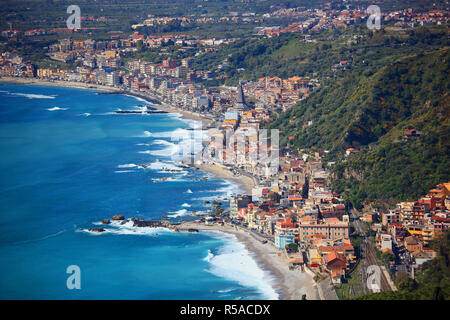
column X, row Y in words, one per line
column 67, row 163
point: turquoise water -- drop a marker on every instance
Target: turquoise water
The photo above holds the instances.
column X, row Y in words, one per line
column 67, row 163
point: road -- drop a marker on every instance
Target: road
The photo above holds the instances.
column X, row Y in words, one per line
column 357, row 223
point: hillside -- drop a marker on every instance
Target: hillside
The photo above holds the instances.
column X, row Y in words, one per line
column 358, row 106
column 370, row 109
column 416, row 92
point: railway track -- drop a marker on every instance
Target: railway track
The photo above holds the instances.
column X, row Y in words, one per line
column 372, row 260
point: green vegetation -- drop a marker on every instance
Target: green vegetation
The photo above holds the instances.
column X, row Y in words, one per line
column 292, row 247
column 357, row 106
column 396, row 81
column 218, row 210
column 416, row 93
column 351, row 286
column 431, row 283
column 30, row 14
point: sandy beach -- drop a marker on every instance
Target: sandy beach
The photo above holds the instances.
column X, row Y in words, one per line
column 246, row 183
column 186, row 114
column 58, row 83
column 290, row 284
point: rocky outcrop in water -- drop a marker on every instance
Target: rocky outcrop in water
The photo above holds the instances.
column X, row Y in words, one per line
column 118, row 217
column 96, row 230
column 151, row 224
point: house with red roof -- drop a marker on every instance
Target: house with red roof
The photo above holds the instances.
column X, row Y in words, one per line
column 412, row 133
column 336, row 264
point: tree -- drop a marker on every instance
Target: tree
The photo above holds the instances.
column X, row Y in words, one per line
column 140, row 46
column 404, row 282
column 387, row 256
column 218, row 211
column 292, row 247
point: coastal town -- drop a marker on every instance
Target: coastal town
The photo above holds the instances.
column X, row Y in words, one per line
column 289, row 207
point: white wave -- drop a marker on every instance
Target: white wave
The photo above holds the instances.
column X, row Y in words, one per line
column 87, row 114
column 175, row 115
column 176, row 178
column 32, row 95
column 128, row 165
column 229, row 189
column 158, row 153
column 115, row 227
column 201, row 213
column 234, row 262
column 143, row 144
column 188, row 191
column 164, row 166
column 124, row 171
column 186, row 205
column 226, row 290
column 169, row 150
column 56, row 108
column 179, row 213
column 209, row 256
column 138, row 98
column 163, row 142
column 171, row 134
column 183, row 143
column 192, row 123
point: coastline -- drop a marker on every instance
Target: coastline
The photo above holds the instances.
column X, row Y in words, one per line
column 289, row 284
column 266, row 256
column 73, row 84
column 221, row 172
column 57, row 83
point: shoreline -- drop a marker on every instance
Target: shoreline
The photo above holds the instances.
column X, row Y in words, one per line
column 221, row 172
column 289, row 284
column 82, row 85
column 58, row 83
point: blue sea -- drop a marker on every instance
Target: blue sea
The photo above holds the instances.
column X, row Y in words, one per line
column 68, row 162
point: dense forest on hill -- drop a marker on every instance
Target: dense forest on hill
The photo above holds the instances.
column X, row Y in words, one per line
column 357, row 106
column 389, row 88
column 416, row 93
column 431, row 283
